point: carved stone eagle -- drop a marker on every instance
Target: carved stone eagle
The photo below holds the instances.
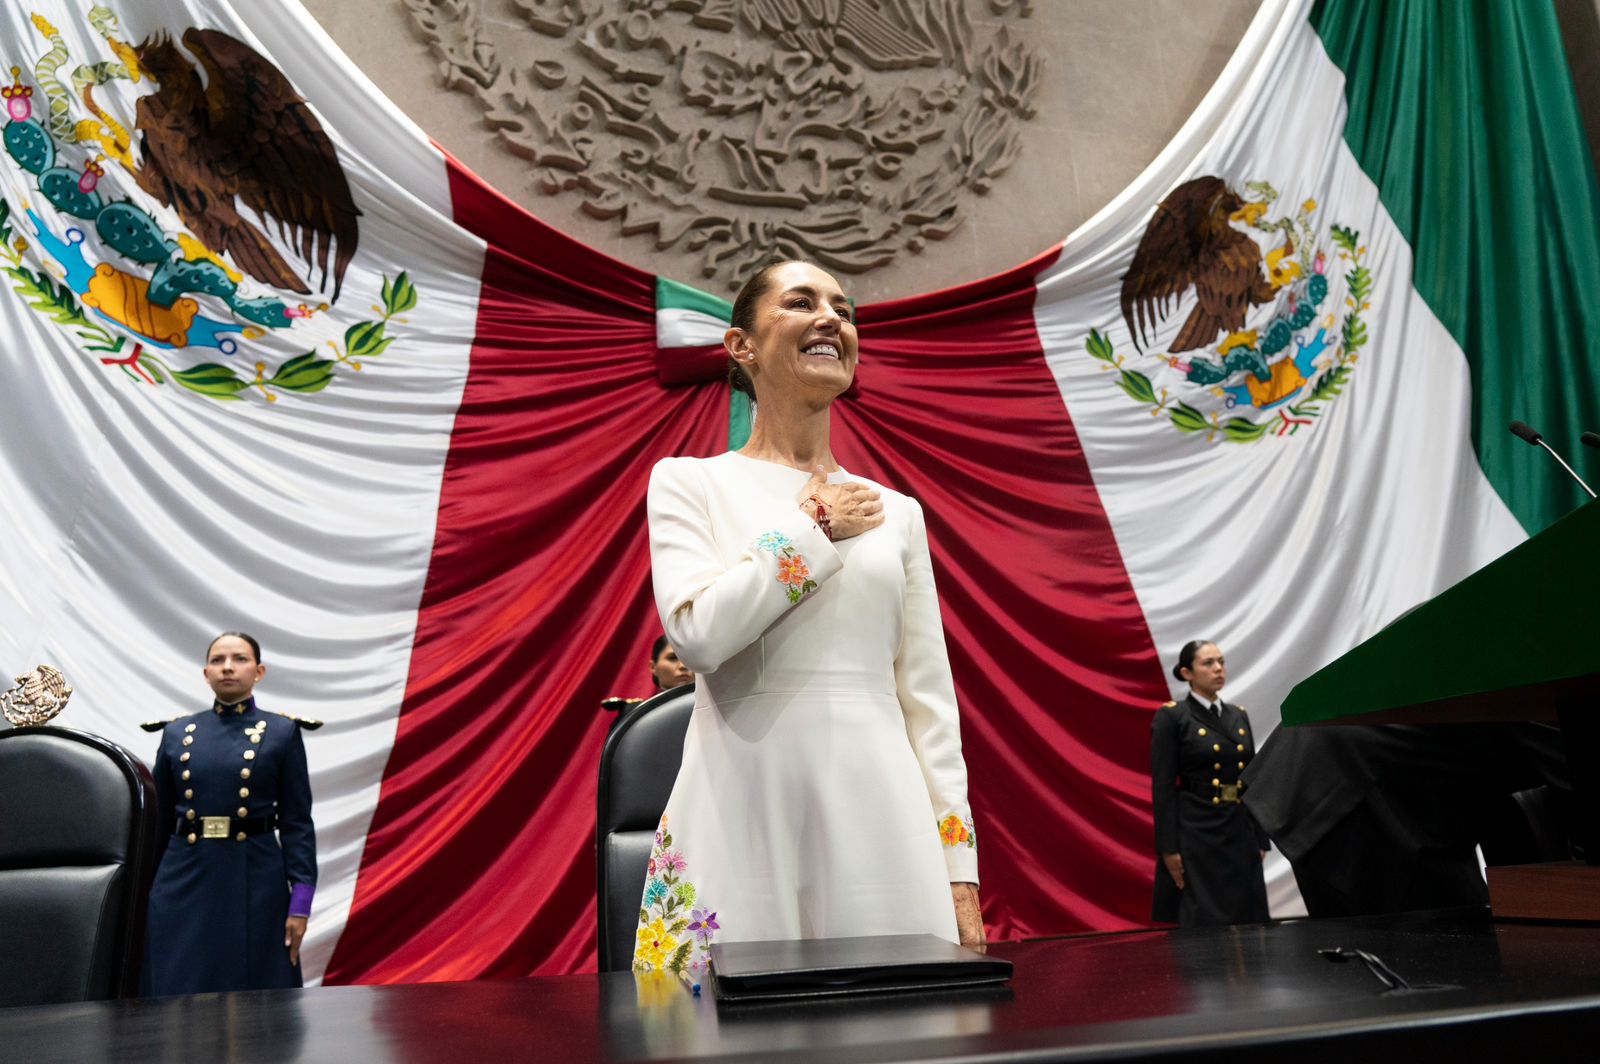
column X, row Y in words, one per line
column 885, row 36
column 1190, row 241
column 245, row 136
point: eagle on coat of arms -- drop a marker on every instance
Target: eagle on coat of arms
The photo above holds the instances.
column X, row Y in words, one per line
column 1191, row 241
column 224, row 142
column 1298, row 353
column 244, row 135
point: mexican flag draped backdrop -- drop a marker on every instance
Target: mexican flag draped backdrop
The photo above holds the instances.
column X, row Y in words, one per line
column 408, row 448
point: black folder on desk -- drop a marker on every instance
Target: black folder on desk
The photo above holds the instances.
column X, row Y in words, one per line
column 818, row 967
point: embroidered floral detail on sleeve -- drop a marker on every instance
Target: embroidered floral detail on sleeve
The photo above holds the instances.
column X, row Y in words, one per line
column 773, row 542
column 673, row 936
column 957, row 831
column 793, row 572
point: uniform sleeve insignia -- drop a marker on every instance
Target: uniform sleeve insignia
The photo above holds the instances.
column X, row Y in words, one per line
column 1168, row 705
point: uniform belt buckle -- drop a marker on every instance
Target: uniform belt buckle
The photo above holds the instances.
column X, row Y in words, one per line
column 215, row 827
column 1230, row 792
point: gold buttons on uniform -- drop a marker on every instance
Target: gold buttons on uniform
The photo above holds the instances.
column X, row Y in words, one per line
column 243, row 812
column 250, row 755
column 255, row 738
column 1217, row 800
column 1241, row 731
column 190, row 728
column 1241, row 764
column 185, row 756
column 1241, row 748
column 1216, row 747
column 1202, row 731
column 185, row 773
column 244, row 773
column 188, row 740
column 244, row 792
column 187, row 795
column 192, row 837
column 241, row 836
column 189, row 815
column 1216, row 765
column 1216, row 783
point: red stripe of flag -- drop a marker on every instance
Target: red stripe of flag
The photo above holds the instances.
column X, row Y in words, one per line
column 479, row 860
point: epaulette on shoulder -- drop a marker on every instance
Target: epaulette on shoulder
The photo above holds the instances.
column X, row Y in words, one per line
column 1168, row 705
column 1240, row 708
column 305, row 722
column 157, row 725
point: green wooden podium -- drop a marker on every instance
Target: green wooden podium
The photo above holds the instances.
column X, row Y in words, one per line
column 1517, row 640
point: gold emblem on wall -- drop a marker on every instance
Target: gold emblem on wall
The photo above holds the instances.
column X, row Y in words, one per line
column 37, row 698
column 842, row 131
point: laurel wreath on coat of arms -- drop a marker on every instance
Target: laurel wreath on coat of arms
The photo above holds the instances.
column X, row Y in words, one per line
column 1218, row 378
column 151, row 249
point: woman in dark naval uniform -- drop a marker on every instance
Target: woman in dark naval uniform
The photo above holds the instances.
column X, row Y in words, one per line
column 1209, row 847
column 229, row 905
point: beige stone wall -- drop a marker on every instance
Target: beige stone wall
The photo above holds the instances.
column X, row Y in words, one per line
column 1119, row 77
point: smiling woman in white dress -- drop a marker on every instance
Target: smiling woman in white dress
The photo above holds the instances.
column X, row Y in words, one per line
column 822, row 792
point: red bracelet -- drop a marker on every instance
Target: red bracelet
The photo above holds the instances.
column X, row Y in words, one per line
column 822, row 518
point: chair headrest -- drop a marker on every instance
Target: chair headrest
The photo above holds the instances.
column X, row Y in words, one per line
column 641, row 759
column 69, row 797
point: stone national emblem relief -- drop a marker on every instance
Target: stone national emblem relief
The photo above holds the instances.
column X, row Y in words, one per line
column 840, row 131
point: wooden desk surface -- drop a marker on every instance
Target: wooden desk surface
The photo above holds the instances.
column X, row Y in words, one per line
column 1232, row 994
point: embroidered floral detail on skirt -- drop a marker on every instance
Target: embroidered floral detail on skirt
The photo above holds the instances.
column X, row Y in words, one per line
column 958, row 831
column 793, row 572
column 673, row 935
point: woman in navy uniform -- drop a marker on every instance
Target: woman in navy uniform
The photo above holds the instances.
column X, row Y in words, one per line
column 229, row 905
column 1209, row 847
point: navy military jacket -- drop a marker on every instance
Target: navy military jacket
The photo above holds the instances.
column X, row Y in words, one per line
column 219, row 901
column 1196, row 759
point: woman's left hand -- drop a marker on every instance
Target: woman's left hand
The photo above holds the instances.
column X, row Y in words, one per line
column 294, row 929
column 969, row 916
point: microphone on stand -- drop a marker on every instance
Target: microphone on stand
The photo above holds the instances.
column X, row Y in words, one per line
column 1590, row 439
column 1524, row 432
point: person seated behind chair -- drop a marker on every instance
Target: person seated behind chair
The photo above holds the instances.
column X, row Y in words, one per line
column 229, row 905
column 666, row 671
column 1209, row 847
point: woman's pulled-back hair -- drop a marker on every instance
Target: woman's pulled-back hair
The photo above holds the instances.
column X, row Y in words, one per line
column 255, row 648
column 1186, row 657
column 744, row 317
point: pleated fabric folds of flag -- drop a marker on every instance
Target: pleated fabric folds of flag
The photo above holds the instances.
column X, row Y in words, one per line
column 402, row 435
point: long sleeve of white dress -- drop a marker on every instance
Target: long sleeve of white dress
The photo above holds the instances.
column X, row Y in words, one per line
column 928, row 699
column 710, row 613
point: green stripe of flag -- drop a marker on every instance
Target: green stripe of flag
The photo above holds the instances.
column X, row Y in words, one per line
column 686, row 315
column 675, row 295
column 1464, row 115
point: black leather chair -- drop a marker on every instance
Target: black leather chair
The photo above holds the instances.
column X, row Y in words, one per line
column 77, row 854
column 637, row 769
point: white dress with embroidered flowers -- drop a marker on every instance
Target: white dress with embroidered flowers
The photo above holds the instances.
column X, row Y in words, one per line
column 822, row 792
